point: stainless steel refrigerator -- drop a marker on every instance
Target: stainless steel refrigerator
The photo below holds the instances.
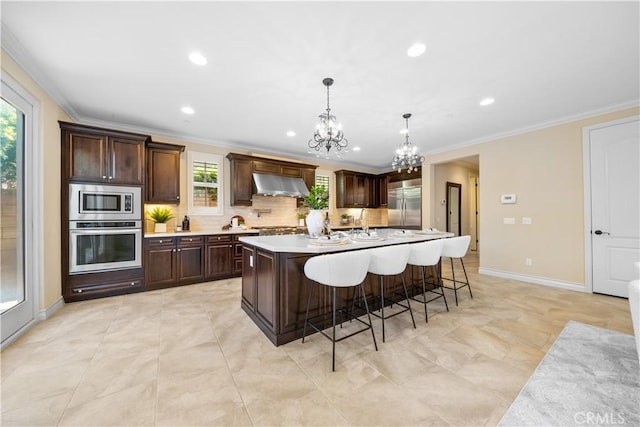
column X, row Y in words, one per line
column 405, row 204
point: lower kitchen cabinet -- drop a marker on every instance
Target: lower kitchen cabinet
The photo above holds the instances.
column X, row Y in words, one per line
column 183, row 260
column 219, row 256
column 171, row 261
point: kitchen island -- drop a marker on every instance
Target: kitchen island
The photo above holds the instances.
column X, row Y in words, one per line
column 274, row 287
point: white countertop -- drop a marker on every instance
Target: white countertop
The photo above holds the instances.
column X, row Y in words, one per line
column 301, row 243
column 202, row 232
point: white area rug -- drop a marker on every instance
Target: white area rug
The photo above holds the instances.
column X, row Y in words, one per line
column 590, row 376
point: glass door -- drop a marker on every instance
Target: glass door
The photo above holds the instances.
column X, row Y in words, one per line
column 16, row 298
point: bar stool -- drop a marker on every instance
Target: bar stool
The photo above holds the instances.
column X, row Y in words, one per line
column 390, row 261
column 427, row 254
column 341, row 270
column 456, row 248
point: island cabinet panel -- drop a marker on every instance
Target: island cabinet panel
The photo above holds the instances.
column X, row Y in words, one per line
column 248, row 278
column 266, row 289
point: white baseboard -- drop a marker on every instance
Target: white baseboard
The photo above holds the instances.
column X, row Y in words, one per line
column 48, row 312
column 533, row 279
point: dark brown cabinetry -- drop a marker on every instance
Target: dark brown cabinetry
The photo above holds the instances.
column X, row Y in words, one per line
column 354, row 190
column 171, row 261
column 219, row 256
column 101, row 155
column 382, row 189
column 163, row 172
column 242, row 168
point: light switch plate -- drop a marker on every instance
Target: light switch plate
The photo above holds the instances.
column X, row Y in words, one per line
column 526, row 220
column 507, row 199
column 509, row 220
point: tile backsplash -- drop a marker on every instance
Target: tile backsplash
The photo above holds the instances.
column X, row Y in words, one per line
column 266, row 211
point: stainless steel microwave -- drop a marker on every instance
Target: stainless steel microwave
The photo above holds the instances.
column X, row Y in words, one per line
column 104, row 202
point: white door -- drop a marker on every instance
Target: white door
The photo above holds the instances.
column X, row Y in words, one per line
column 615, row 205
column 17, row 260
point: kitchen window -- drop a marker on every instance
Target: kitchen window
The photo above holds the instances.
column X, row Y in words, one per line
column 205, row 183
column 323, row 178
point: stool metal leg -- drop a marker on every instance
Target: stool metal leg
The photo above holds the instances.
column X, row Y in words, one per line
column 366, row 306
column 455, row 285
column 439, row 273
column 333, row 315
column 381, row 280
column 424, row 293
column 465, row 277
column 406, row 294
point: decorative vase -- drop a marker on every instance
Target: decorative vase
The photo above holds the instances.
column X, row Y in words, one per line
column 160, row 227
column 300, row 222
column 314, row 222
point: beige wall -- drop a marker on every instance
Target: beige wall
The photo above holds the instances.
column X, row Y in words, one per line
column 49, row 143
column 544, row 169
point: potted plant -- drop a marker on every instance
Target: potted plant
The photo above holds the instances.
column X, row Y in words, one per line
column 316, row 200
column 160, row 215
column 344, row 218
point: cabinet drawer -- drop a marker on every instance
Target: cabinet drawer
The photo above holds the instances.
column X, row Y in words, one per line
column 105, row 289
column 236, row 237
column 190, row 240
column 155, row 242
column 221, row 238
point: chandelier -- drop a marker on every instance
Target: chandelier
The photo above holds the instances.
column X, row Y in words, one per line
column 407, row 154
column 328, row 132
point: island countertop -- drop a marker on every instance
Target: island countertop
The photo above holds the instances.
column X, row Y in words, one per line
column 301, row 243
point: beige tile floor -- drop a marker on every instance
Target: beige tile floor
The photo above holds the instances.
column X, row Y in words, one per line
column 190, row 356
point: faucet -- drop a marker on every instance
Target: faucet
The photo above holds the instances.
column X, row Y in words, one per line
column 364, row 220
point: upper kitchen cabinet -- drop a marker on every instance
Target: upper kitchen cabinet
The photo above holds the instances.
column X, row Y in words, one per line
column 92, row 154
column 243, row 167
column 163, row 172
column 355, row 190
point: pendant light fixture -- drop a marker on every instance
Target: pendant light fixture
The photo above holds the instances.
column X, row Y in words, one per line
column 328, row 132
column 407, row 154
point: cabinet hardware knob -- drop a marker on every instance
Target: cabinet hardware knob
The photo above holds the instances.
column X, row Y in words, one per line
column 173, row 250
column 104, row 176
column 110, row 178
column 191, row 240
column 78, row 291
column 159, row 241
column 133, row 283
column 179, row 250
column 177, row 197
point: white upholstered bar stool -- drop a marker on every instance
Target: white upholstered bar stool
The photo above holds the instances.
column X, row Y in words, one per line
column 427, row 254
column 390, row 261
column 340, row 270
column 456, row 248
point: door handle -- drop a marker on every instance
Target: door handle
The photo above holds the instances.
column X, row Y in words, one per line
column 599, row 232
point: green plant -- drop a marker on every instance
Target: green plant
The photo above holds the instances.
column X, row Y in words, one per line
column 161, row 214
column 318, row 198
column 344, row 216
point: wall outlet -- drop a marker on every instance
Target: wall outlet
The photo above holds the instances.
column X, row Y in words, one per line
column 509, row 220
column 526, row 220
column 528, row 262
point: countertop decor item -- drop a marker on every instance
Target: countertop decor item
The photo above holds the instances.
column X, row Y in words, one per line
column 316, row 200
column 160, row 215
column 406, row 155
column 328, row 132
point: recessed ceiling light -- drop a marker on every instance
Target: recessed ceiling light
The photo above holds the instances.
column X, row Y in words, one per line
column 487, row 101
column 356, row 148
column 416, row 49
column 198, row 58
column 188, row 110
column 291, row 133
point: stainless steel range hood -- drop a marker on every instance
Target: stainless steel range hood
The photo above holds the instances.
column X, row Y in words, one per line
column 275, row 185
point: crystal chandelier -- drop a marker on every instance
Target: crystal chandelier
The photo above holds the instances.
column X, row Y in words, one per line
column 407, row 154
column 328, row 132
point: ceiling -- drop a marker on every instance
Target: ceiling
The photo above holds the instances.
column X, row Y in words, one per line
column 125, row 65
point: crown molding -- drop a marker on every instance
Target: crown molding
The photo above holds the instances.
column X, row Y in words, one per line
column 12, row 46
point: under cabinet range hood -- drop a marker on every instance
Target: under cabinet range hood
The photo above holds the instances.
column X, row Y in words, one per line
column 276, row 185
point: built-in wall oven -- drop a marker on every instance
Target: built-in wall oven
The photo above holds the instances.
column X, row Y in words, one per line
column 105, row 228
